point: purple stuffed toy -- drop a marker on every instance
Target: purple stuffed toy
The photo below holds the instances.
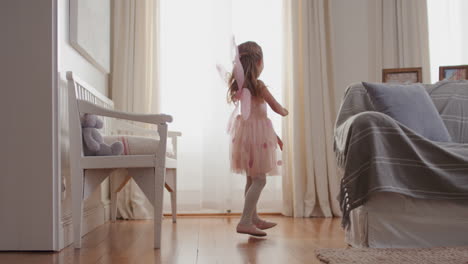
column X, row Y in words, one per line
column 93, row 142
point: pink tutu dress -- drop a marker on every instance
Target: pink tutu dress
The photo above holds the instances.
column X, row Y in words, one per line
column 254, row 141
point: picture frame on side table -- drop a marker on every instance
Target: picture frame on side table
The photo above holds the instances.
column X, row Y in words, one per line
column 459, row 72
column 402, row 75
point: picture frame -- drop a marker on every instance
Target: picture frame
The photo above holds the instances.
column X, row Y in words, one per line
column 402, row 75
column 457, row 72
column 90, row 31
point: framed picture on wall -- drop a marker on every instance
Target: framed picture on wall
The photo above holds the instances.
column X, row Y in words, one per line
column 402, row 75
column 459, row 72
column 90, row 31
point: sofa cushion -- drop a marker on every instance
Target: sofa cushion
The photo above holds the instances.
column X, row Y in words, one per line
column 411, row 105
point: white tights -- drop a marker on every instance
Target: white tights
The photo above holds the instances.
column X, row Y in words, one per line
column 253, row 189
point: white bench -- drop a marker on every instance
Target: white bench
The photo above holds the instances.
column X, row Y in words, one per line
column 148, row 170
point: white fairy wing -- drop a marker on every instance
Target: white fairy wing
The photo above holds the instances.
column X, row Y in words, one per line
column 223, row 73
column 243, row 96
column 238, row 71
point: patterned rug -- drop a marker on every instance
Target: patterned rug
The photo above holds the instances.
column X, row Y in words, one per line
column 457, row 255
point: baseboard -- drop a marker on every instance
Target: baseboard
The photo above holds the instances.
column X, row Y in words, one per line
column 93, row 217
column 106, row 207
column 65, row 231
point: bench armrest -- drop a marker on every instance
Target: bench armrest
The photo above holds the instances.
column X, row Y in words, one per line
column 173, row 135
column 89, row 108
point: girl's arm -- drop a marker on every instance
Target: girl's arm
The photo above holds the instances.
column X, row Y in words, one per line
column 277, row 107
column 280, row 142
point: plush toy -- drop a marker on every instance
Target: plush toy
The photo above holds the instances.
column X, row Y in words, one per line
column 93, row 142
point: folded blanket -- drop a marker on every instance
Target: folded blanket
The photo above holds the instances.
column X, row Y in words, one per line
column 378, row 154
column 138, row 145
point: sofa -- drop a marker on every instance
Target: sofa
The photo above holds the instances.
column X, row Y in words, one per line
column 398, row 188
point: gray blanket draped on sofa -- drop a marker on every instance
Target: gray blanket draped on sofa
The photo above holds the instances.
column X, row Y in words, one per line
column 379, row 154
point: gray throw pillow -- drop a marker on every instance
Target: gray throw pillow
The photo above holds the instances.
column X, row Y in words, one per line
column 411, row 105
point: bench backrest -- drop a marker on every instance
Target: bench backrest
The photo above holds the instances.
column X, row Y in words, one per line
column 79, row 89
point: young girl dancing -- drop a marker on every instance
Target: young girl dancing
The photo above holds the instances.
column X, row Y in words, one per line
column 253, row 140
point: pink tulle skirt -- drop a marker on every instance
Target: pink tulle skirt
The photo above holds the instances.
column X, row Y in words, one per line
column 254, row 147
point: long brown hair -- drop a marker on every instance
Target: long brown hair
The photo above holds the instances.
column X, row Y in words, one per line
column 250, row 54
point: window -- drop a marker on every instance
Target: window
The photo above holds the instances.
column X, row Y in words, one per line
column 448, row 36
column 195, row 36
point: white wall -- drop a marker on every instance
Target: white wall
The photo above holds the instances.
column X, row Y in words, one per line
column 70, row 59
column 96, row 208
column 28, row 87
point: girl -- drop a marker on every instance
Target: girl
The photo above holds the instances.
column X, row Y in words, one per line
column 253, row 140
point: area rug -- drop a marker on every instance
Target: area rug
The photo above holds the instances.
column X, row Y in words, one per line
column 457, row 255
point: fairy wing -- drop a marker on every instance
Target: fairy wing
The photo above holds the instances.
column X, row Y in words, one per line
column 243, row 94
column 223, row 73
column 238, row 70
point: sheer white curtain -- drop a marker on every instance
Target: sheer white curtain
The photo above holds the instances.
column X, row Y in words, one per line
column 448, row 36
column 195, row 35
column 134, row 80
column 134, row 77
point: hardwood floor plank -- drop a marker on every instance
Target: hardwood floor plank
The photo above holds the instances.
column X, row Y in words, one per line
column 196, row 240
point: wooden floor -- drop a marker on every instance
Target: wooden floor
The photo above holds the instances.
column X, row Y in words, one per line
column 197, row 240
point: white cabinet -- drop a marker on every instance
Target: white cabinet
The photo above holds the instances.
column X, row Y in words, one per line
column 29, row 182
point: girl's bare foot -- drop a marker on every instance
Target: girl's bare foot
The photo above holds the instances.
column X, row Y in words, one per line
column 263, row 225
column 250, row 230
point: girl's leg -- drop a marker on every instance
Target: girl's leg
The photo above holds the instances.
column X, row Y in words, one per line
column 248, row 183
column 256, row 220
column 251, row 198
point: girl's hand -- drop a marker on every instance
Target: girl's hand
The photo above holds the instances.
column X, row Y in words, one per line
column 285, row 111
column 280, row 143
